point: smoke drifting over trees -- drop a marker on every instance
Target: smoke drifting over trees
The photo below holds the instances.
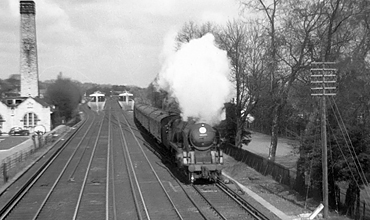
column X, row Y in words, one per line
column 196, row 76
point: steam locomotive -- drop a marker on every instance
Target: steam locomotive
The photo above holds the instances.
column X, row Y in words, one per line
column 194, row 146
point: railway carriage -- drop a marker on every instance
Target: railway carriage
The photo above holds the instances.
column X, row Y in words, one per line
column 154, row 121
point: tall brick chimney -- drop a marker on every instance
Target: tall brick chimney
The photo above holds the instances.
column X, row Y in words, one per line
column 28, row 57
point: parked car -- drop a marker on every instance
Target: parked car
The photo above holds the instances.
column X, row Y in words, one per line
column 19, row 131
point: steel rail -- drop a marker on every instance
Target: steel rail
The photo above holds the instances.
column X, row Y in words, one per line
column 32, row 180
column 208, row 202
column 108, row 178
column 161, row 154
column 62, row 172
column 230, row 193
column 186, row 193
column 123, row 143
column 241, row 202
column 110, row 163
column 129, row 162
column 87, row 171
column 151, row 167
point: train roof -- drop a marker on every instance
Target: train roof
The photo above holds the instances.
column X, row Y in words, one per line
column 155, row 113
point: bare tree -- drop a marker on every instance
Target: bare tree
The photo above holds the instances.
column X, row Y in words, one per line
column 291, row 25
column 191, row 30
column 335, row 35
column 335, row 31
column 277, row 93
column 244, row 45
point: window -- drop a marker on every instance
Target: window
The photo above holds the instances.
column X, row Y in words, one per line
column 30, row 120
column 101, row 98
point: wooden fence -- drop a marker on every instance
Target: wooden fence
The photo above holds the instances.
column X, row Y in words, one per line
column 16, row 158
column 264, row 166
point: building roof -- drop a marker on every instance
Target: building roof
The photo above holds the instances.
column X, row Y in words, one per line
column 126, row 94
column 97, row 93
column 42, row 101
column 19, row 100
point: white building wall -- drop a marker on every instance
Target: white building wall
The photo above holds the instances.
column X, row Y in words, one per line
column 31, row 106
column 5, row 116
column 14, row 116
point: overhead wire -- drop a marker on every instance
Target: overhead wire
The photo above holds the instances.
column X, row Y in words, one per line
column 332, row 174
column 344, row 156
column 347, row 137
column 349, row 145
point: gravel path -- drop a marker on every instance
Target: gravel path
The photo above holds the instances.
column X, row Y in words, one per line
column 286, row 152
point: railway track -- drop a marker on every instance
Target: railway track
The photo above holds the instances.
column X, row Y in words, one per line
column 218, row 201
column 213, row 200
column 226, row 203
column 22, row 200
column 48, row 188
column 146, row 185
column 105, row 169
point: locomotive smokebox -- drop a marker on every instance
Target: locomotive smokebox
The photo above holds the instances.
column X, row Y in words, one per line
column 202, row 135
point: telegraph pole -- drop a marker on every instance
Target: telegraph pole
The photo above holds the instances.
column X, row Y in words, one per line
column 323, row 83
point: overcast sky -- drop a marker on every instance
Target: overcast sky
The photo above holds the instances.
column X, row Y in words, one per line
column 103, row 41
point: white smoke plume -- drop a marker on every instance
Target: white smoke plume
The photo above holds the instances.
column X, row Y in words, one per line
column 197, row 77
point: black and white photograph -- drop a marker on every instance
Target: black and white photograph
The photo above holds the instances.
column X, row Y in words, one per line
column 170, row 109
